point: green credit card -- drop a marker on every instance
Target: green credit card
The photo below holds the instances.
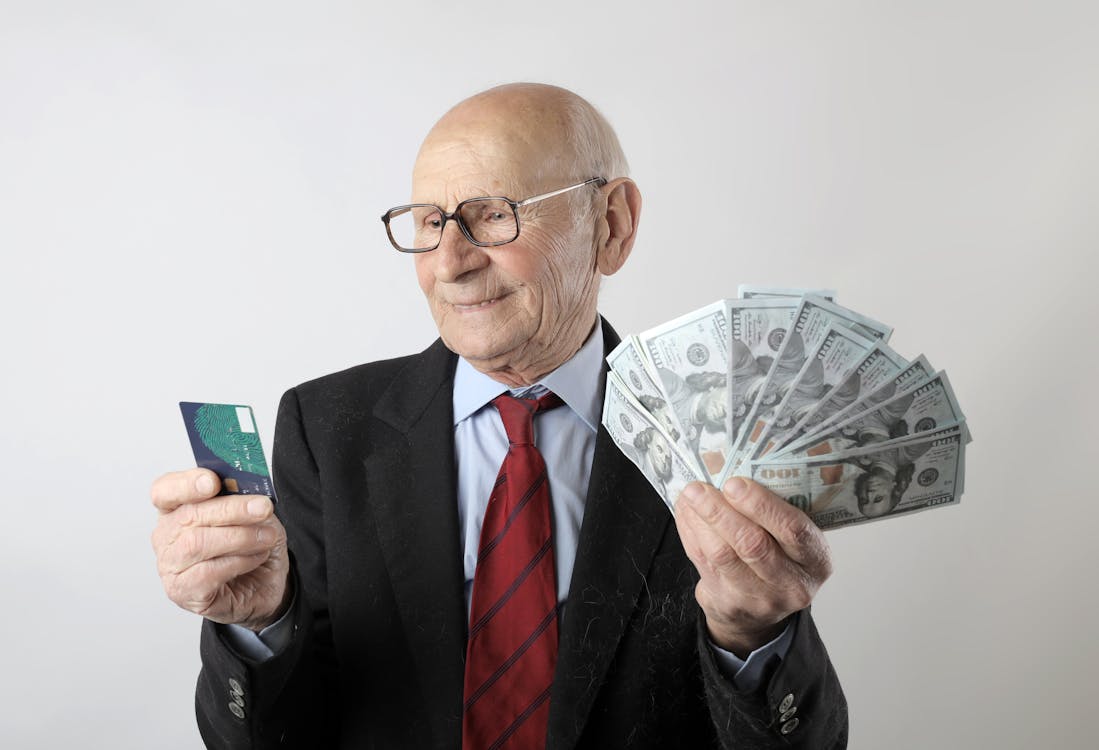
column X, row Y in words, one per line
column 225, row 440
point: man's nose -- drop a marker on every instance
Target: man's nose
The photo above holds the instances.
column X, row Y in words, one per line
column 456, row 256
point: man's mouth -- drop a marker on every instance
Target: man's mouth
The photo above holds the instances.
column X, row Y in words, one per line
column 475, row 306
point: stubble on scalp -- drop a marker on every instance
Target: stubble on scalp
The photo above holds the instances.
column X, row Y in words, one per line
column 564, row 137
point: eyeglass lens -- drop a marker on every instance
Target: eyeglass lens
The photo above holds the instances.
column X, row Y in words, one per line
column 488, row 220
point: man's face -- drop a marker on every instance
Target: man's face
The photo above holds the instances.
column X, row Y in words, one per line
column 661, row 457
column 711, row 408
column 877, row 499
column 663, row 415
column 505, row 308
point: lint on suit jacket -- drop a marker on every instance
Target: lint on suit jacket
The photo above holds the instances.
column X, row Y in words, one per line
column 365, row 476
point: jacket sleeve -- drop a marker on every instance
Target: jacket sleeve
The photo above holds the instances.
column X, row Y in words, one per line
column 284, row 701
column 800, row 703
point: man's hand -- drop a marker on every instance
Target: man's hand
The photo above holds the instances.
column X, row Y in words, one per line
column 223, row 557
column 759, row 558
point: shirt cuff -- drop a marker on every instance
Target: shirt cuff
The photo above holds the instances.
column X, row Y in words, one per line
column 267, row 643
column 747, row 674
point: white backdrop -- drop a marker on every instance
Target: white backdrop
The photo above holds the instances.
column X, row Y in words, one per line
column 189, row 202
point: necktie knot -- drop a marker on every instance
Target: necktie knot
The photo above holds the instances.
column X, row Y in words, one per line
column 517, row 415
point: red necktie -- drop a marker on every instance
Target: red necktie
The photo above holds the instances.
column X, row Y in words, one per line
column 512, row 646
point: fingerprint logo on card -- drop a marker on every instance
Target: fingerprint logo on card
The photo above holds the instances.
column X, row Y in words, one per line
column 698, row 354
column 927, row 477
column 775, row 337
column 219, row 427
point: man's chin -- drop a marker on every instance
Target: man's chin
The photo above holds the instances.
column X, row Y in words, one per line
column 482, row 352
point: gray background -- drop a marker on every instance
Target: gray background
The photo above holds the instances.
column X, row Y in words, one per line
column 189, row 202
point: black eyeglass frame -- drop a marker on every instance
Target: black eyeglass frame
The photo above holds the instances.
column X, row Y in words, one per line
column 456, row 215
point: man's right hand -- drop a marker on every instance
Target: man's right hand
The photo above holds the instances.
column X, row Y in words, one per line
column 220, row 556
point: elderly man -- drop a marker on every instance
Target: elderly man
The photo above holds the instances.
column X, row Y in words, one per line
column 461, row 557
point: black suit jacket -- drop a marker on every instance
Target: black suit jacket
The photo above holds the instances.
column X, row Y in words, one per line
column 365, row 476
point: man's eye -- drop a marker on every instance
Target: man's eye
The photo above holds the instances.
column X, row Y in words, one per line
column 433, row 222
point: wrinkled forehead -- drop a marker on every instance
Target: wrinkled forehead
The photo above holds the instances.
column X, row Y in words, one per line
column 470, row 157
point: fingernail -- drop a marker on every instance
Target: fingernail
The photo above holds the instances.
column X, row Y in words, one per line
column 204, row 484
column 257, row 506
column 736, row 487
column 693, row 491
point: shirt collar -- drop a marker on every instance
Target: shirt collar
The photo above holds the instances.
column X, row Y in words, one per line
column 576, row 382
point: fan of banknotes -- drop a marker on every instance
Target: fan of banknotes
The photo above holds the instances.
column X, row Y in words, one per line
column 796, row 392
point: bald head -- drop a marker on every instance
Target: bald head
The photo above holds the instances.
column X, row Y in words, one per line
column 551, row 135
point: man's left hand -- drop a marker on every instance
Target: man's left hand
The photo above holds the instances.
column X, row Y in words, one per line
column 759, row 559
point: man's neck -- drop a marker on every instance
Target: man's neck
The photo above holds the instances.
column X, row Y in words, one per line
column 576, row 381
column 558, row 353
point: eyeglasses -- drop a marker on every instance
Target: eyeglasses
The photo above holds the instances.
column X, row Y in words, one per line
column 486, row 222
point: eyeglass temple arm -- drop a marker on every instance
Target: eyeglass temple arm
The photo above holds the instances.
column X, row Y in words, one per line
column 543, row 196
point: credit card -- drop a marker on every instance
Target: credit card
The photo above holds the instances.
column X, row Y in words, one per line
column 225, row 440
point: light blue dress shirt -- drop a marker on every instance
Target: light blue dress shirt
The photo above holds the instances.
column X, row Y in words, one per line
column 565, row 436
column 480, row 444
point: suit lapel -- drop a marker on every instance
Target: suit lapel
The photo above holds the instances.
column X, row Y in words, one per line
column 623, row 524
column 417, row 522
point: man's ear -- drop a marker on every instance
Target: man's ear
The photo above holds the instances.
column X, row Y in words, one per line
column 616, row 229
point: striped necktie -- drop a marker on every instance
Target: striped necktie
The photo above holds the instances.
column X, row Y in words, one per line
column 512, row 647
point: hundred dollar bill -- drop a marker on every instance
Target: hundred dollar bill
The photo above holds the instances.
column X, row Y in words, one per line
column 691, row 357
column 756, row 330
column 645, row 443
column 753, row 291
column 812, row 319
column 880, row 364
column 930, row 406
column 840, row 350
column 630, row 363
column 915, row 374
column 901, row 476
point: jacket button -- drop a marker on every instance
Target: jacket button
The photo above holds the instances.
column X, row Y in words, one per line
column 239, row 712
column 234, row 687
column 786, row 703
column 787, row 714
column 790, row 726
